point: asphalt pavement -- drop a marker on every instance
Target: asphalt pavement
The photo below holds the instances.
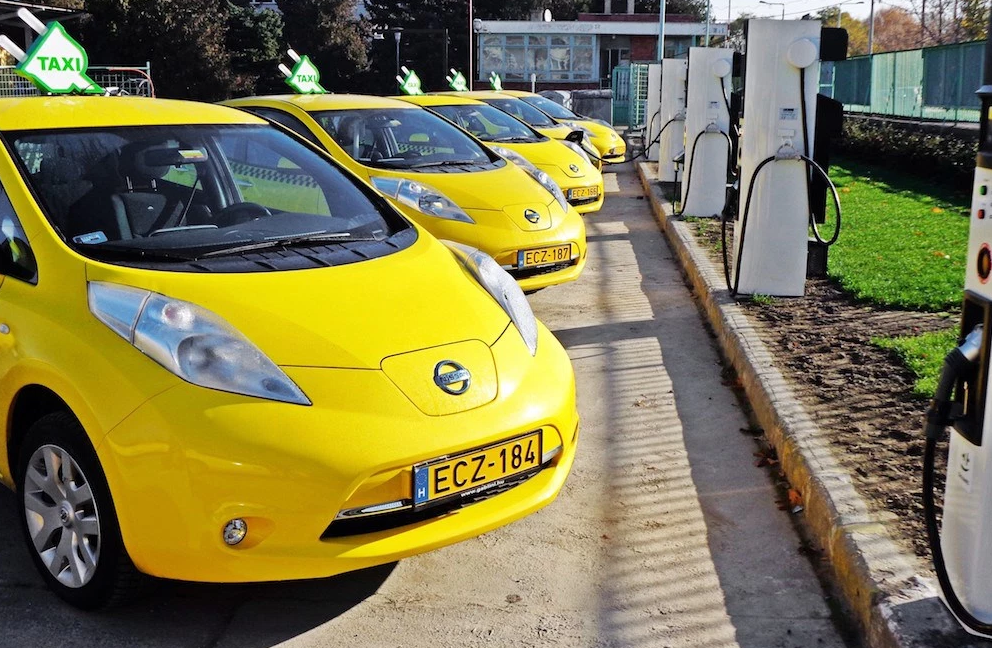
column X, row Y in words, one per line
column 665, row 535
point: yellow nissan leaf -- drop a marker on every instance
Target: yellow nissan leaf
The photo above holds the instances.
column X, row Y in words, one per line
column 444, row 179
column 607, row 141
column 224, row 358
column 565, row 161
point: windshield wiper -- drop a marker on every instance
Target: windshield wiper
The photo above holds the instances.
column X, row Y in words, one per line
column 124, row 252
column 423, row 165
column 514, row 138
column 289, row 241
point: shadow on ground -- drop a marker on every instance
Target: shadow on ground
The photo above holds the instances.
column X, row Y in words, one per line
column 173, row 614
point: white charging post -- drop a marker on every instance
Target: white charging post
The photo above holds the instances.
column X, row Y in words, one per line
column 671, row 112
column 707, row 125
column 776, row 215
column 654, row 101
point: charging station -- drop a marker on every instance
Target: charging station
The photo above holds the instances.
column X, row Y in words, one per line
column 654, row 101
column 780, row 82
column 671, row 116
column 962, row 547
column 707, row 124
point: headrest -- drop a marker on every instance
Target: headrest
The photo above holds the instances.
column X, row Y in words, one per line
column 134, row 161
column 58, row 170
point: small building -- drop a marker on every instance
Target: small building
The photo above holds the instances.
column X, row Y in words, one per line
column 581, row 54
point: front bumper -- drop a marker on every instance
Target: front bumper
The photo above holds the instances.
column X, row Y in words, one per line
column 190, row 459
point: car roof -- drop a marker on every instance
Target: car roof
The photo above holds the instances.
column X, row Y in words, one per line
column 52, row 112
column 479, row 94
column 520, row 93
column 441, row 100
column 316, row 102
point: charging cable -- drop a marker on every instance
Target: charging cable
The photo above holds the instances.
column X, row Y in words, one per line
column 657, row 138
column 942, row 412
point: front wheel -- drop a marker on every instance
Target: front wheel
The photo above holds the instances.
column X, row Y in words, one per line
column 68, row 516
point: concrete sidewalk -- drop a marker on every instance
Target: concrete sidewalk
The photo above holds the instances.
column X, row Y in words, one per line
column 665, row 534
column 894, row 606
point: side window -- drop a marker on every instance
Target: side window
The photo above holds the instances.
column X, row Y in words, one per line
column 16, row 258
column 265, row 177
column 290, row 122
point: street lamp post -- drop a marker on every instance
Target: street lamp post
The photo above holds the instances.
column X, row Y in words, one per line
column 847, row 2
column 661, row 31
column 471, row 45
column 871, row 29
column 398, row 35
column 780, row 4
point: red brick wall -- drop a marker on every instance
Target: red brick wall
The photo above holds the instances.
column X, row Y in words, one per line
column 643, row 48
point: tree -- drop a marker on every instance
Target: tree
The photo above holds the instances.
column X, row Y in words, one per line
column 183, row 39
column 735, row 31
column 694, row 8
column 331, row 34
column 857, row 30
column 895, row 29
column 254, row 39
column 974, row 21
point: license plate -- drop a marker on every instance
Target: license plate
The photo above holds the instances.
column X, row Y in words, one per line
column 544, row 256
column 583, row 192
column 476, row 471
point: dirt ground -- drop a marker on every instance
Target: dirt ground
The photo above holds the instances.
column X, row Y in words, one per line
column 859, row 393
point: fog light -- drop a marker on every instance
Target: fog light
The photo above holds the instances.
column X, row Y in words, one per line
column 235, row 531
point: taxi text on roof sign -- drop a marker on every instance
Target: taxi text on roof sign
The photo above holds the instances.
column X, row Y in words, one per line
column 457, row 81
column 409, row 82
column 304, row 78
column 496, row 82
column 56, row 63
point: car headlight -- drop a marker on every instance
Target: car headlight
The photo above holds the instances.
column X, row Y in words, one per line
column 578, row 149
column 422, row 197
column 503, row 288
column 191, row 342
column 542, row 177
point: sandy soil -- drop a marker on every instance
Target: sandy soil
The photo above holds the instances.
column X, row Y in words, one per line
column 861, row 394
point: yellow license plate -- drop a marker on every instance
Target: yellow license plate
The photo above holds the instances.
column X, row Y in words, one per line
column 544, row 256
column 477, row 471
column 583, row 192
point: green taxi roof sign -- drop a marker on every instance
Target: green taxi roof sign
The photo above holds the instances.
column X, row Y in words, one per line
column 456, row 81
column 409, row 82
column 496, row 82
column 304, row 78
column 56, row 62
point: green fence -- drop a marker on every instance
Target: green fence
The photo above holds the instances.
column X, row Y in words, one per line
column 630, row 95
column 929, row 83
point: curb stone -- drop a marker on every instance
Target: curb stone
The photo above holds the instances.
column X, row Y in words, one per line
column 893, row 605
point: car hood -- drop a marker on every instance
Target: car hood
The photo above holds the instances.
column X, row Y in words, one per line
column 553, row 153
column 493, row 189
column 558, row 131
column 349, row 316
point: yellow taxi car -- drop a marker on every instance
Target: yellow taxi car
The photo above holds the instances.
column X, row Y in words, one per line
column 444, row 179
column 607, row 141
column 565, row 161
column 223, row 358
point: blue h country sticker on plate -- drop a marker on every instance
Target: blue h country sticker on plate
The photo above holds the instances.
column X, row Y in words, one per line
column 420, row 485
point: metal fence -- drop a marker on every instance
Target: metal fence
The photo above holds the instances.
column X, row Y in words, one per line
column 115, row 79
column 931, row 83
column 630, row 95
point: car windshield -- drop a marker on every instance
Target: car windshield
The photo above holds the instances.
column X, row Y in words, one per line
column 487, row 123
column 400, row 138
column 549, row 107
column 185, row 192
column 522, row 111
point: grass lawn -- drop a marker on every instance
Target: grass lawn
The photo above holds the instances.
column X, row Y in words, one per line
column 903, row 241
column 903, row 245
column 924, row 355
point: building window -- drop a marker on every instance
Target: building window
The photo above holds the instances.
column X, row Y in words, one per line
column 552, row 58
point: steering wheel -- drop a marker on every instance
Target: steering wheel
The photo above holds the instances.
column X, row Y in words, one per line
column 242, row 212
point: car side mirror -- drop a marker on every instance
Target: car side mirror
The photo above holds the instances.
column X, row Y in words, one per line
column 17, row 260
column 575, row 136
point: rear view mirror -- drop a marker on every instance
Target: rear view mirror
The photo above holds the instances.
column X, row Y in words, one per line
column 166, row 156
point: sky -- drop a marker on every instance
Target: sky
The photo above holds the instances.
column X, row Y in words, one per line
column 794, row 9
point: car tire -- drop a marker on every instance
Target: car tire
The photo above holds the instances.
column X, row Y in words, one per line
column 68, row 517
